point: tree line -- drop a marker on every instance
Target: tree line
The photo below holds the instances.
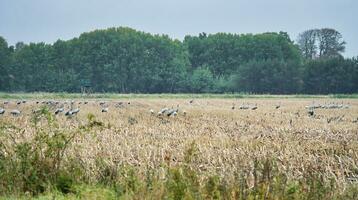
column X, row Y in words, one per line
column 128, row 61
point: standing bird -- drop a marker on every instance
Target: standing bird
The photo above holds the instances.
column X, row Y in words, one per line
column 2, row 111
column 244, row 107
column 75, row 111
column 104, row 109
column 278, row 106
column 15, row 112
column 68, row 113
column 72, row 111
column 310, row 112
column 254, row 107
column 151, row 111
column 59, row 110
column 163, row 111
column 172, row 112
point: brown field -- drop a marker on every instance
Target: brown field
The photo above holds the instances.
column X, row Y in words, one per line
column 229, row 141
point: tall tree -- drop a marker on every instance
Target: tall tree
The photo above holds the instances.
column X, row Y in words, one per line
column 307, row 42
column 321, row 43
column 331, row 43
column 5, row 54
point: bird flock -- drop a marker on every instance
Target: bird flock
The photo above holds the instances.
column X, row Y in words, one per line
column 330, row 105
column 72, row 108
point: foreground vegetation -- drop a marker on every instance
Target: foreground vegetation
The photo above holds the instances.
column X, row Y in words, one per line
column 210, row 152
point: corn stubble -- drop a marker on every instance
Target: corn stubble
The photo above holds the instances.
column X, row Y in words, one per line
column 267, row 153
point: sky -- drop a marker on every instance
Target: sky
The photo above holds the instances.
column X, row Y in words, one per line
column 50, row 20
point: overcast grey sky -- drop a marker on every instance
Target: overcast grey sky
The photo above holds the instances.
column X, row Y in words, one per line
column 49, row 20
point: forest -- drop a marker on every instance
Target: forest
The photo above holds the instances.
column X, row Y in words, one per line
column 124, row 60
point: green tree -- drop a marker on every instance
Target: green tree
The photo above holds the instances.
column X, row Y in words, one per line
column 319, row 43
column 333, row 75
column 201, row 80
column 269, row 76
column 5, row 56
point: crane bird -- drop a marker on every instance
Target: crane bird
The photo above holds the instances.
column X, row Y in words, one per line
column 15, row 112
column 244, row 107
column 68, row 113
column 59, row 110
column 163, row 111
column 310, row 112
column 173, row 112
column 254, row 107
column 75, row 111
column 278, row 106
column 2, row 111
column 104, row 109
column 72, row 112
column 151, row 111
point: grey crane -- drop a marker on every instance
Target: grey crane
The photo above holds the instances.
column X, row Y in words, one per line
column 163, row 111
column 254, row 107
column 72, row 112
column 151, row 111
column 59, row 110
column 15, row 112
column 244, row 107
column 2, row 111
column 277, row 106
column 104, row 109
column 310, row 112
column 69, row 113
column 75, row 111
column 173, row 112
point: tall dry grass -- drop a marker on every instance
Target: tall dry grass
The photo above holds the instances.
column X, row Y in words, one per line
column 230, row 143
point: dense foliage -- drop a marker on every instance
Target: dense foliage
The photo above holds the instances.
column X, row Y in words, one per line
column 128, row 61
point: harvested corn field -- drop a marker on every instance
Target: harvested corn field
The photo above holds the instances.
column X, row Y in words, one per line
column 182, row 148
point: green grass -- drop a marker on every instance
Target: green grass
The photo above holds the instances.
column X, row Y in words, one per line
column 41, row 95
